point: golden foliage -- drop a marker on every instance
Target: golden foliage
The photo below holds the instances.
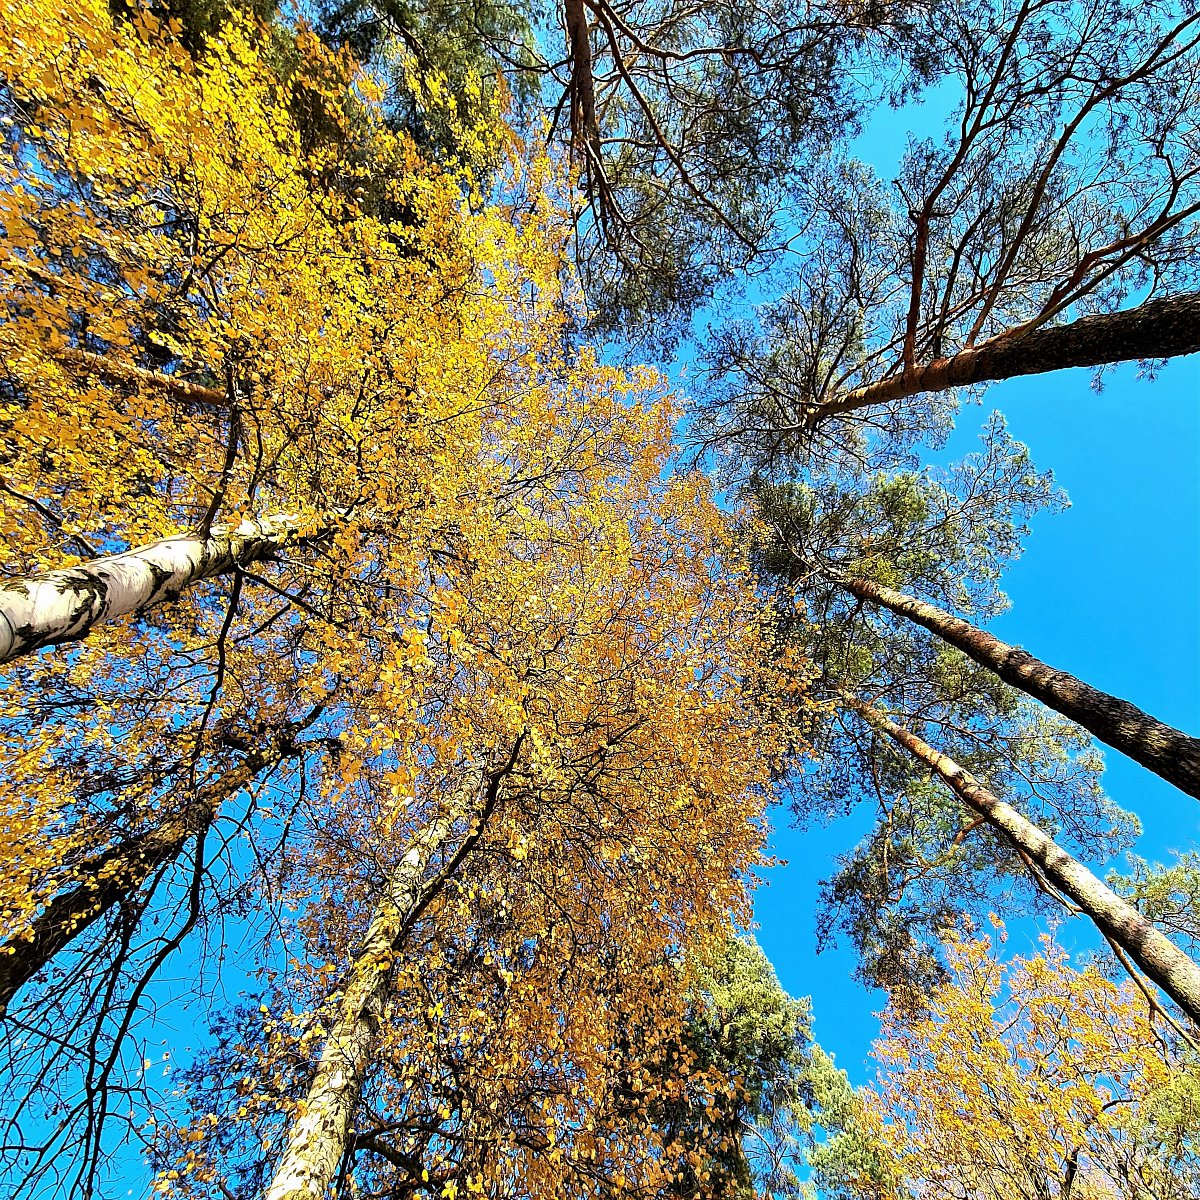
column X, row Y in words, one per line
column 506, row 566
column 1030, row 1080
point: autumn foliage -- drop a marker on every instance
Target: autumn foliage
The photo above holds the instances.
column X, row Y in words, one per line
column 451, row 762
column 507, row 617
column 1033, row 1079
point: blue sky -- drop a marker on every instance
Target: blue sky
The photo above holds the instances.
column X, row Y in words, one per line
column 1108, row 590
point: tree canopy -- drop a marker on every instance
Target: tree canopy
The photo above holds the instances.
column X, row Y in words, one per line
column 401, row 674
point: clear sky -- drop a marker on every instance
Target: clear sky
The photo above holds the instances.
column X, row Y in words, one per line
column 1108, row 590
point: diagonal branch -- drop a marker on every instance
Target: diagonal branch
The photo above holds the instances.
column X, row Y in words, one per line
column 1157, row 329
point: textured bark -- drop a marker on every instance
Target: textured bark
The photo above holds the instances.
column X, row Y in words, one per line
column 1163, row 749
column 1116, row 918
column 107, row 368
column 117, row 874
column 319, row 1135
column 62, row 606
column 1157, row 329
column 585, row 131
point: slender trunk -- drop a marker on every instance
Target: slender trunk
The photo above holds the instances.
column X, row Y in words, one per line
column 63, row 606
column 1162, row 749
column 118, row 873
column 1156, row 329
column 585, row 131
column 1160, row 959
column 320, row 1133
column 107, row 368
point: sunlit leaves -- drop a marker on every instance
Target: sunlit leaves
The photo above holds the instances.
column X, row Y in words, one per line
column 1034, row 1079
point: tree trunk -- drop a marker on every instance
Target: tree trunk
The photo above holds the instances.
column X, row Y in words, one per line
column 117, row 874
column 585, row 131
column 63, row 606
column 320, row 1133
column 1164, row 750
column 1154, row 953
column 107, row 368
column 1156, row 329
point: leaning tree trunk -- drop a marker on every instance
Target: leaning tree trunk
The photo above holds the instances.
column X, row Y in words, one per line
column 1116, row 918
column 320, row 1134
column 117, row 874
column 117, row 372
column 1164, row 750
column 318, row 1137
column 63, row 606
column 1157, row 329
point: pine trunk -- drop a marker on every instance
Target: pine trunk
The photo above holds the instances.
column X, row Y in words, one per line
column 116, row 875
column 1161, row 960
column 320, row 1132
column 63, row 606
column 1158, row 329
column 1161, row 748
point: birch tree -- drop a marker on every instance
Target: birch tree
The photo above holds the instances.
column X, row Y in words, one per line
column 63, row 606
column 1032, row 1078
column 149, row 400
column 320, row 1134
column 195, row 337
column 100, row 882
column 113, row 443
column 609, row 666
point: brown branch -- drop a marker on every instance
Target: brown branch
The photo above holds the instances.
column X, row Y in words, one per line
column 55, row 520
column 1157, row 329
column 99, row 364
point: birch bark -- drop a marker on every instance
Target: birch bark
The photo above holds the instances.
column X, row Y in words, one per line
column 63, row 606
column 1152, row 951
column 1166, row 751
column 320, row 1133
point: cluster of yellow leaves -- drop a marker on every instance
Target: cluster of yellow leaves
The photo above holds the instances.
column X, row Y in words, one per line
column 511, row 577
column 1029, row 1080
column 36, row 837
column 165, row 212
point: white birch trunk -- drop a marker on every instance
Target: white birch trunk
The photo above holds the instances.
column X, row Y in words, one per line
column 320, row 1132
column 1114, row 916
column 62, row 606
